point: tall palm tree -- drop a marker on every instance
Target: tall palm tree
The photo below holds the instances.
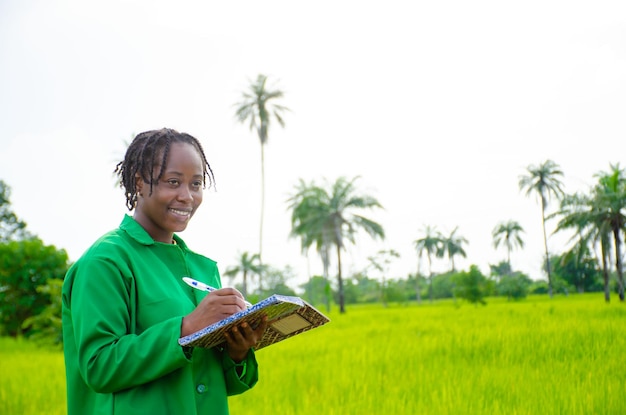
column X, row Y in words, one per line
column 610, row 202
column 508, row 234
column 453, row 246
column 430, row 244
column 246, row 264
column 329, row 216
column 543, row 180
column 304, row 205
column 258, row 107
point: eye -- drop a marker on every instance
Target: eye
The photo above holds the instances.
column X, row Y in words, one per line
column 197, row 183
column 173, row 182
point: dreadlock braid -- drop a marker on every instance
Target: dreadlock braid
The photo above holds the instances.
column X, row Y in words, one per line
column 148, row 150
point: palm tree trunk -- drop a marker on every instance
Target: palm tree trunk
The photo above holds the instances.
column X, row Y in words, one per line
column 605, row 276
column 383, row 297
column 326, row 264
column 342, row 308
column 618, row 263
column 545, row 244
column 430, row 278
column 418, row 294
column 262, row 215
column 244, row 287
column 508, row 259
column 262, row 202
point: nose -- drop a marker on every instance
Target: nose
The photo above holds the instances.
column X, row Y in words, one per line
column 185, row 194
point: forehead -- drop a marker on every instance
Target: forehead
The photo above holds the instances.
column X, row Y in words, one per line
column 183, row 156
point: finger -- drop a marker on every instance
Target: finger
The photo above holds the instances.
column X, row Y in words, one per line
column 237, row 336
column 228, row 291
column 260, row 329
column 246, row 331
column 232, row 300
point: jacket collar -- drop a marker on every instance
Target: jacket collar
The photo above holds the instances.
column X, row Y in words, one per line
column 139, row 234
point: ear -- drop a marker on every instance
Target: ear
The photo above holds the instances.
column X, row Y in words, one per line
column 139, row 184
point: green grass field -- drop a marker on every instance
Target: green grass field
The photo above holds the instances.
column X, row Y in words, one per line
column 538, row 356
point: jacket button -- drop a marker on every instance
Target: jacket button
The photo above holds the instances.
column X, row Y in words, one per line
column 201, row 388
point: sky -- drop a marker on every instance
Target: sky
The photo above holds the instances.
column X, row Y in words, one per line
column 437, row 107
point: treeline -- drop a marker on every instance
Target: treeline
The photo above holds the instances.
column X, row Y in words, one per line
column 472, row 286
column 325, row 218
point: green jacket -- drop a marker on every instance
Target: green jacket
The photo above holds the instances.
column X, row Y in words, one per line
column 123, row 304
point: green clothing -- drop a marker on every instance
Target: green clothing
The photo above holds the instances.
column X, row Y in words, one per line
column 123, row 304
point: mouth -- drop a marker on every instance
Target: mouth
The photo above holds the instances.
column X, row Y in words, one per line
column 180, row 212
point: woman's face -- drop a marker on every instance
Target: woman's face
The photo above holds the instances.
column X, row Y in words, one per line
column 175, row 197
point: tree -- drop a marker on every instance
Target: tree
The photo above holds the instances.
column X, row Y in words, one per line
column 430, row 244
column 577, row 267
column 304, row 204
column 246, row 264
column 318, row 289
column 514, row 286
column 276, row 280
column 543, row 180
column 11, row 227
column 24, row 266
column 258, row 108
column 599, row 218
column 452, row 246
column 380, row 262
column 471, row 285
column 577, row 212
column 46, row 326
column 331, row 215
column 508, row 234
column 609, row 205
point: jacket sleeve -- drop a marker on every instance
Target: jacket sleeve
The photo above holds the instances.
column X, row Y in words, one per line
column 235, row 383
column 110, row 356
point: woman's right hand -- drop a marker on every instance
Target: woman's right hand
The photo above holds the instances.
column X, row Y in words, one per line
column 216, row 306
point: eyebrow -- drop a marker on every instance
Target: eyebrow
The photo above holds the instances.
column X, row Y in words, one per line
column 177, row 173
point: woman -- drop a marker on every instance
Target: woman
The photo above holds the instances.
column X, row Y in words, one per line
column 125, row 305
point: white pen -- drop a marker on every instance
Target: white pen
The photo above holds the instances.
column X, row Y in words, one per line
column 203, row 287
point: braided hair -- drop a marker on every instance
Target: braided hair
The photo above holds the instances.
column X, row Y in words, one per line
column 148, row 150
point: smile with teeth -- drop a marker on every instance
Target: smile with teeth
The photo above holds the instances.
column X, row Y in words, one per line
column 180, row 212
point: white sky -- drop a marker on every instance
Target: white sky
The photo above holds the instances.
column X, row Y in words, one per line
column 439, row 106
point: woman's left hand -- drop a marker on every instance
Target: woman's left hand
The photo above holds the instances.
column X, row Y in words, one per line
column 242, row 338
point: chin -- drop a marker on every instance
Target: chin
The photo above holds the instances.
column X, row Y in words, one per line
column 179, row 228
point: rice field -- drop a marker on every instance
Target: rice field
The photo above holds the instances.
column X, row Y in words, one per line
column 538, row 356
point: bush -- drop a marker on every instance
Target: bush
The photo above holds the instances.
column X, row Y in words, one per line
column 24, row 266
column 513, row 287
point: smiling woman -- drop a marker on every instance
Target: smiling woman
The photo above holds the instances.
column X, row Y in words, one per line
column 172, row 195
column 125, row 304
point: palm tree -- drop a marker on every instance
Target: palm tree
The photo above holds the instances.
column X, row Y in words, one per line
column 581, row 213
column 508, row 234
column 305, row 204
column 258, row 108
column 453, row 246
column 610, row 204
column 246, row 264
column 329, row 217
column 430, row 244
column 544, row 181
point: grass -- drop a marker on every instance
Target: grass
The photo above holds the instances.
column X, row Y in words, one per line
column 32, row 380
column 537, row 356
column 541, row 355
